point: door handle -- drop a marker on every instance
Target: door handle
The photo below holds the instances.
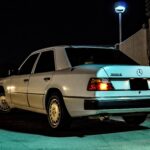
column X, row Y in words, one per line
column 47, row 78
column 26, row 80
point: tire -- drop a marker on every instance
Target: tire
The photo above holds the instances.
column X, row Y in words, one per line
column 135, row 119
column 58, row 116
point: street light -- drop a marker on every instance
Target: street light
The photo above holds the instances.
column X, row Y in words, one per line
column 120, row 8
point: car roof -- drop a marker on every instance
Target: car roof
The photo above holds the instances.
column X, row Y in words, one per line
column 72, row 46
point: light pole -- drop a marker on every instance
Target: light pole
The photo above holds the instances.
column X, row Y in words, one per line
column 120, row 8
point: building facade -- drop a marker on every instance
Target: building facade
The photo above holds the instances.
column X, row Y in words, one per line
column 137, row 46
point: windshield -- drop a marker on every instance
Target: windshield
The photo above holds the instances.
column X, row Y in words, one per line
column 80, row 56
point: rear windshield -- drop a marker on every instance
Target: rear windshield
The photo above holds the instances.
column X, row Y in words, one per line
column 80, row 56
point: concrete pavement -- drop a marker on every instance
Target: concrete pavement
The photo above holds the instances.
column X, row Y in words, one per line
column 30, row 131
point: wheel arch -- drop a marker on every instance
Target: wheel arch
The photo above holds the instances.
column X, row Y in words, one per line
column 50, row 92
column 2, row 90
column 65, row 116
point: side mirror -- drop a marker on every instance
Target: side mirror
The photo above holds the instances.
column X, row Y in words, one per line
column 12, row 72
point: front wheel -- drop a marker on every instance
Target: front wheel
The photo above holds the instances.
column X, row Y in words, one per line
column 4, row 107
column 58, row 116
column 135, row 119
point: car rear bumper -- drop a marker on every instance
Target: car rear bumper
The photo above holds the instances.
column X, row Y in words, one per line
column 112, row 104
column 82, row 106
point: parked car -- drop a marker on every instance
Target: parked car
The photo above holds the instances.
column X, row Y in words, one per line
column 65, row 82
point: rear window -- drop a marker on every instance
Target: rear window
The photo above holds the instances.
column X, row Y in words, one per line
column 80, row 56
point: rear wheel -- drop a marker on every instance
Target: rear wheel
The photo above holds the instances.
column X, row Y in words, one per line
column 58, row 116
column 135, row 119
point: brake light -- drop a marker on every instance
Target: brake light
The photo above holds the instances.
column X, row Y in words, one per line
column 96, row 84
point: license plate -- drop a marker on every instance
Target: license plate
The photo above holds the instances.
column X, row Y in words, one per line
column 138, row 84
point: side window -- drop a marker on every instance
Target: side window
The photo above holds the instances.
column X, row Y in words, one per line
column 28, row 65
column 46, row 62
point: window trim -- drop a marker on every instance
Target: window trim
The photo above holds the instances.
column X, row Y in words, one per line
column 26, row 61
column 35, row 65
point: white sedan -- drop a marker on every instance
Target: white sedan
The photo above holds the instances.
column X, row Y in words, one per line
column 76, row 81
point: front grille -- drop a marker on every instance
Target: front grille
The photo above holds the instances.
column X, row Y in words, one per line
column 138, row 84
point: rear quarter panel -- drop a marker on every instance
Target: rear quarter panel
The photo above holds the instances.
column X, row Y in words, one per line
column 73, row 85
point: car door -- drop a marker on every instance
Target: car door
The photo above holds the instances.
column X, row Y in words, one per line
column 21, row 80
column 40, row 79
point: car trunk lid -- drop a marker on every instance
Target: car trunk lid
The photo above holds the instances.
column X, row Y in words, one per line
column 125, row 77
column 126, row 71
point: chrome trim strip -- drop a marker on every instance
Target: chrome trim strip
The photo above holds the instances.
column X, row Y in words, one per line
column 27, row 93
column 112, row 97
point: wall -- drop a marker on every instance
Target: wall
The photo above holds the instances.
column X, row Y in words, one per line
column 136, row 47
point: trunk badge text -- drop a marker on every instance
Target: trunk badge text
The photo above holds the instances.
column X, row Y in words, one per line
column 116, row 74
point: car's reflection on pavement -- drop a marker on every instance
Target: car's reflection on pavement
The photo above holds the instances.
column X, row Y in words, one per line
column 27, row 130
column 28, row 122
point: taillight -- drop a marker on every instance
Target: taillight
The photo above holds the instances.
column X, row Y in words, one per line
column 96, row 84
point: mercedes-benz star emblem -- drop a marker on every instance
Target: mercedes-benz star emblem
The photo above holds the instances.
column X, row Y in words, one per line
column 139, row 72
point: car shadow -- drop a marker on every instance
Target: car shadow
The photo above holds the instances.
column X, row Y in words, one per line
column 33, row 123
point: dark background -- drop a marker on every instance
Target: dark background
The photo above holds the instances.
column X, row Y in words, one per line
column 28, row 25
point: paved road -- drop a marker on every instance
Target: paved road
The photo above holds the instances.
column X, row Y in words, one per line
column 30, row 131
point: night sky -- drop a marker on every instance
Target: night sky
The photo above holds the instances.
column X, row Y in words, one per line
column 27, row 25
